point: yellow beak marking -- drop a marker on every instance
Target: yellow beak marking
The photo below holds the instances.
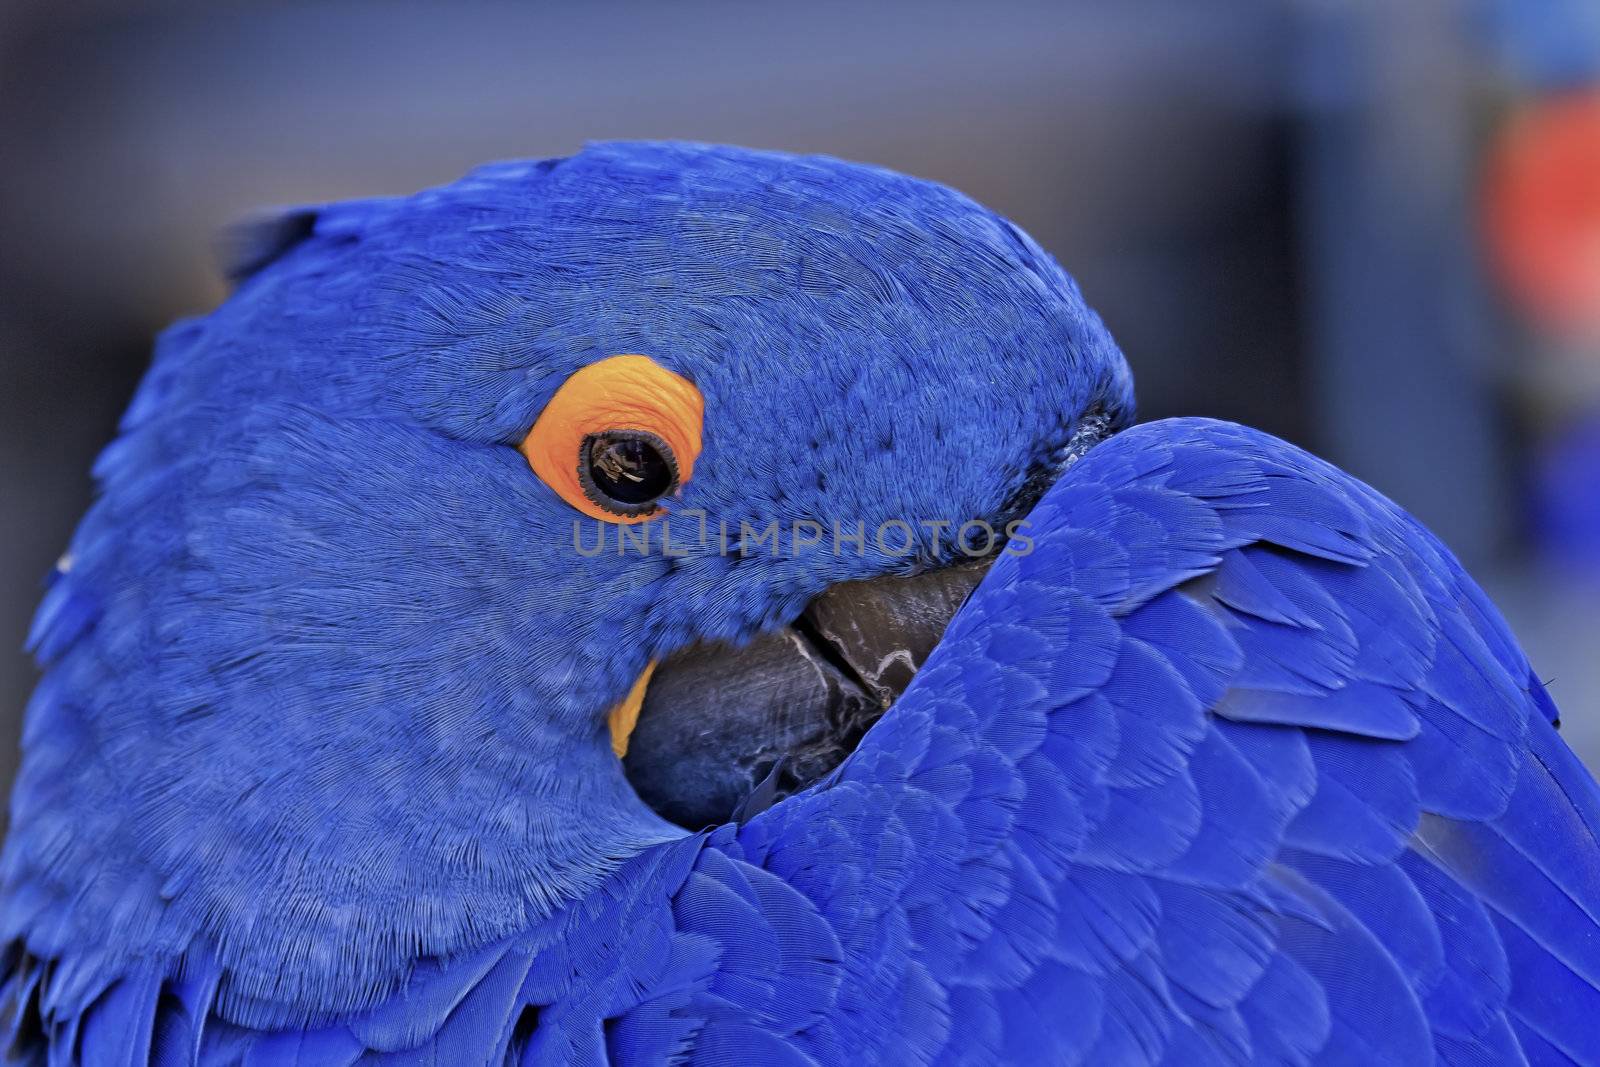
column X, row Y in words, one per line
column 625, row 716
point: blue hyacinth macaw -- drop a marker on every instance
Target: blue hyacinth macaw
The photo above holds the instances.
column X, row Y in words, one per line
column 1222, row 758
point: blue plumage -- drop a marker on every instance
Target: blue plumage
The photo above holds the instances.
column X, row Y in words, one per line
column 1235, row 765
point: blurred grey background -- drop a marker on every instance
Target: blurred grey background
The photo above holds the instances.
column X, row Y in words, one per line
column 1278, row 206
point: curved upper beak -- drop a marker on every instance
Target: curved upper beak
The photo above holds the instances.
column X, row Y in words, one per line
column 723, row 732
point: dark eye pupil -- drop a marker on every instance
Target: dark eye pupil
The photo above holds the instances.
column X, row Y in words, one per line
column 629, row 467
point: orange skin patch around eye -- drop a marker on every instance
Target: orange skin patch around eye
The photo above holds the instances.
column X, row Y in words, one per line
column 618, row 393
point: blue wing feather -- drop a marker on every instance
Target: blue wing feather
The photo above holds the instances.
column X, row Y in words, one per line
column 1361, row 692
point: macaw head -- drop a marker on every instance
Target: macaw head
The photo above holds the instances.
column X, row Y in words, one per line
column 340, row 663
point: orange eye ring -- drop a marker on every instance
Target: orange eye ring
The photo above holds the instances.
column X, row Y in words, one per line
column 622, row 399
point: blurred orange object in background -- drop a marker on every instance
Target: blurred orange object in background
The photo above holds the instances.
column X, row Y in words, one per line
column 1542, row 208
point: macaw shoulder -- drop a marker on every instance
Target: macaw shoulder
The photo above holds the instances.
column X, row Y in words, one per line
column 1232, row 755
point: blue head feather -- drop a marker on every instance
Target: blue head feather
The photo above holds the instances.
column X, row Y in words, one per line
column 327, row 678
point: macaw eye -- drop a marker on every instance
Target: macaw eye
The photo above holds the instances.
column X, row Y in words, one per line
column 617, row 437
column 627, row 471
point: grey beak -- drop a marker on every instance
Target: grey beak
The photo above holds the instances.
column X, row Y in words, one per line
column 727, row 731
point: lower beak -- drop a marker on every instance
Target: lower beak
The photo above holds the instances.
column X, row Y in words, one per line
column 724, row 732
